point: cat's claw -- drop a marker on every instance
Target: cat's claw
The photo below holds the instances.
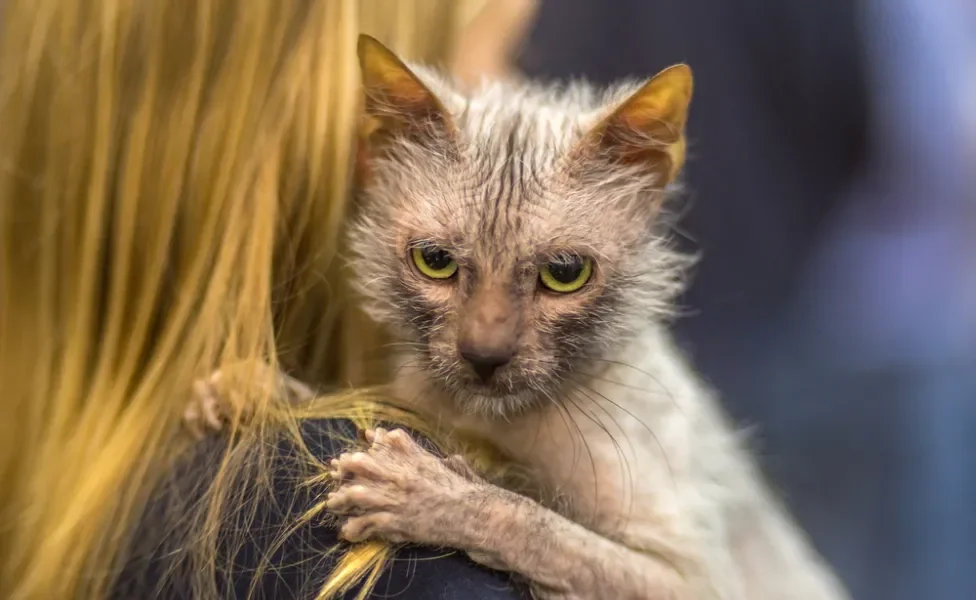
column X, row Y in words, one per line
column 395, row 490
column 206, row 412
column 218, row 399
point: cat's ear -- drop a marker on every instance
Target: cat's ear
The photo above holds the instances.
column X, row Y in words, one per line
column 648, row 128
column 396, row 100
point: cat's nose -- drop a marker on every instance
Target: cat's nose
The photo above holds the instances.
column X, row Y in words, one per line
column 485, row 362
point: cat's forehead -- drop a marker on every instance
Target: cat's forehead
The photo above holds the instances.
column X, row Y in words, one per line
column 509, row 192
column 510, row 199
column 499, row 114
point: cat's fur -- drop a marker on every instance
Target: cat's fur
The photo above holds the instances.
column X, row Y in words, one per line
column 658, row 498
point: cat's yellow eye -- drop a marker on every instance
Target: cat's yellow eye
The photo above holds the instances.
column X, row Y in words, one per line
column 566, row 274
column 434, row 262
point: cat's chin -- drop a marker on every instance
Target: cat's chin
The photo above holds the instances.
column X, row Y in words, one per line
column 486, row 402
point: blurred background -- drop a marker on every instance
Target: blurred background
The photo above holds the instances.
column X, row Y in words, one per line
column 832, row 195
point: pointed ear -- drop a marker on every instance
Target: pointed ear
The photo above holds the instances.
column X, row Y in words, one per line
column 648, row 128
column 396, row 100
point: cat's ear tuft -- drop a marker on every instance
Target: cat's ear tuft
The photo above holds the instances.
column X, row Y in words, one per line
column 396, row 100
column 648, row 128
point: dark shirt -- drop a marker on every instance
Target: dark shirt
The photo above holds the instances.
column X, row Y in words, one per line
column 296, row 567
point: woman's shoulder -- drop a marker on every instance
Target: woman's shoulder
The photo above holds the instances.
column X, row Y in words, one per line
column 267, row 548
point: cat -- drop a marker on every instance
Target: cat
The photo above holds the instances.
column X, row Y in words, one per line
column 514, row 237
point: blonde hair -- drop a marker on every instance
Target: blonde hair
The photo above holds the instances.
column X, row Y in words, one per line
column 173, row 176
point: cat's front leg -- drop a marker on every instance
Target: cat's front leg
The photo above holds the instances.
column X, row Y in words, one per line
column 398, row 491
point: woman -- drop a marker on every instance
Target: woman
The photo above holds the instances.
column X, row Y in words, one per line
column 172, row 179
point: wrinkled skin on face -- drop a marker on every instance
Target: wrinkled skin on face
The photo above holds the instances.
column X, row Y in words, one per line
column 507, row 182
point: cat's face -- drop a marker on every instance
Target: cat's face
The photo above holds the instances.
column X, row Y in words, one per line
column 492, row 239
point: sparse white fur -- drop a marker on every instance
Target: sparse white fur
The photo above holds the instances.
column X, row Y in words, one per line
column 627, row 434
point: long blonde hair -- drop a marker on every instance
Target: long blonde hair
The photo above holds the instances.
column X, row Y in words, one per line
column 173, row 176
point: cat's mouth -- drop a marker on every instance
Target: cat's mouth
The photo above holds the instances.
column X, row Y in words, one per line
column 502, row 396
column 500, row 385
column 485, row 401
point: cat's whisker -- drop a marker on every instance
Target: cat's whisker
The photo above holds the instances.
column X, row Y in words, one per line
column 584, row 393
column 407, row 366
column 405, row 344
column 667, row 392
column 581, row 385
column 579, row 438
column 625, row 467
column 588, row 390
column 592, row 377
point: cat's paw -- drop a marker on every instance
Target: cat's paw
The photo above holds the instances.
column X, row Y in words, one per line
column 217, row 400
column 209, row 407
column 398, row 491
column 228, row 395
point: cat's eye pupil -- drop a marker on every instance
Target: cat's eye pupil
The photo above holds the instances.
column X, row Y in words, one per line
column 435, row 258
column 566, row 271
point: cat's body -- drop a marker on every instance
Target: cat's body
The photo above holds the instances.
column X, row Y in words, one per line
column 512, row 237
column 641, row 453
